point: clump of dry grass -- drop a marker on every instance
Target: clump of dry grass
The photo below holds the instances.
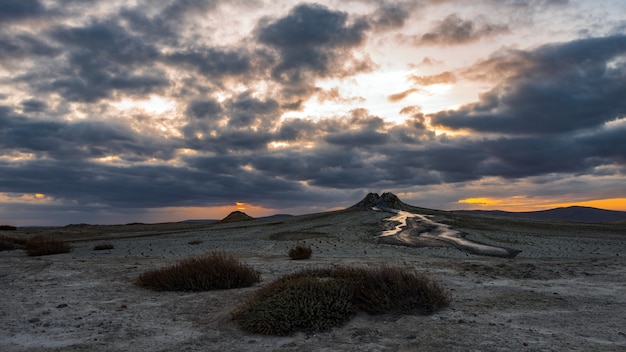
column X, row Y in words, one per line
column 8, row 243
column 217, row 270
column 320, row 299
column 396, row 290
column 300, row 251
column 40, row 245
column 103, row 246
column 297, row 303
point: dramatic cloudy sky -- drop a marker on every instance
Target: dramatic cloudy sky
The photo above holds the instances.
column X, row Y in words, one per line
column 154, row 110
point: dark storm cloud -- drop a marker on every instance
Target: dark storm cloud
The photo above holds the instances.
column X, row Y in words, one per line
column 607, row 145
column 389, row 16
column 101, row 57
column 107, row 39
column 409, row 155
column 164, row 26
column 204, row 109
column 358, row 139
column 247, row 123
column 34, row 105
column 213, row 62
column 246, row 110
column 15, row 10
column 312, row 41
column 60, row 140
column 454, row 30
column 16, row 46
column 560, row 88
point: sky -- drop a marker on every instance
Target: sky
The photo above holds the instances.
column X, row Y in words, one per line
column 153, row 111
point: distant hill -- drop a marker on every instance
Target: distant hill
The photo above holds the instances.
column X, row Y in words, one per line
column 236, row 216
column 574, row 214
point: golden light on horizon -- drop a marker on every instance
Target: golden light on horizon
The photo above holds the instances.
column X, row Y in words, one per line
column 523, row 203
column 618, row 204
column 25, row 198
column 208, row 212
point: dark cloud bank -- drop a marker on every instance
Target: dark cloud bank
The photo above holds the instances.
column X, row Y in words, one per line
column 549, row 113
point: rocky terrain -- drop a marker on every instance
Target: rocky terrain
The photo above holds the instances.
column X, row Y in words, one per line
column 564, row 291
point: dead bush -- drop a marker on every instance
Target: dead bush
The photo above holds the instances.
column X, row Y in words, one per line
column 300, row 251
column 320, row 299
column 217, row 270
column 103, row 246
column 40, row 245
column 7, row 243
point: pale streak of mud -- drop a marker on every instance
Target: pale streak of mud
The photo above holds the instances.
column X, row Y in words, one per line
column 418, row 230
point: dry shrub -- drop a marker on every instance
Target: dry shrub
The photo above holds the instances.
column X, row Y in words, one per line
column 103, row 246
column 320, row 299
column 292, row 304
column 300, row 251
column 193, row 242
column 396, row 290
column 40, row 245
column 7, row 243
column 214, row 271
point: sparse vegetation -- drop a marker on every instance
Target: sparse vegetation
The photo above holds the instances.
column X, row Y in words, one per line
column 8, row 243
column 217, row 270
column 40, row 245
column 300, row 251
column 103, row 246
column 320, row 299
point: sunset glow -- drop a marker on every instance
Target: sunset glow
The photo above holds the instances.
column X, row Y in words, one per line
column 521, row 203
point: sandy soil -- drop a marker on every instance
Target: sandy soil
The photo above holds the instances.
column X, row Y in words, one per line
column 564, row 292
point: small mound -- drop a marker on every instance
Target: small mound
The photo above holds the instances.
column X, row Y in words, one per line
column 236, row 216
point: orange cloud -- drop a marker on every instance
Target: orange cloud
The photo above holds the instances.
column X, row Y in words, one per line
column 394, row 98
column 442, row 78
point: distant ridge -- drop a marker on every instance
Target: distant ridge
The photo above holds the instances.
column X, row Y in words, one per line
column 236, row 216
column 573, row 214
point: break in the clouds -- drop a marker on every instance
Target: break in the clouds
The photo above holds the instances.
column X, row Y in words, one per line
column 119, row 112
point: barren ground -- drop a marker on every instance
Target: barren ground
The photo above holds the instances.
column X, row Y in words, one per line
column 566, row 290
